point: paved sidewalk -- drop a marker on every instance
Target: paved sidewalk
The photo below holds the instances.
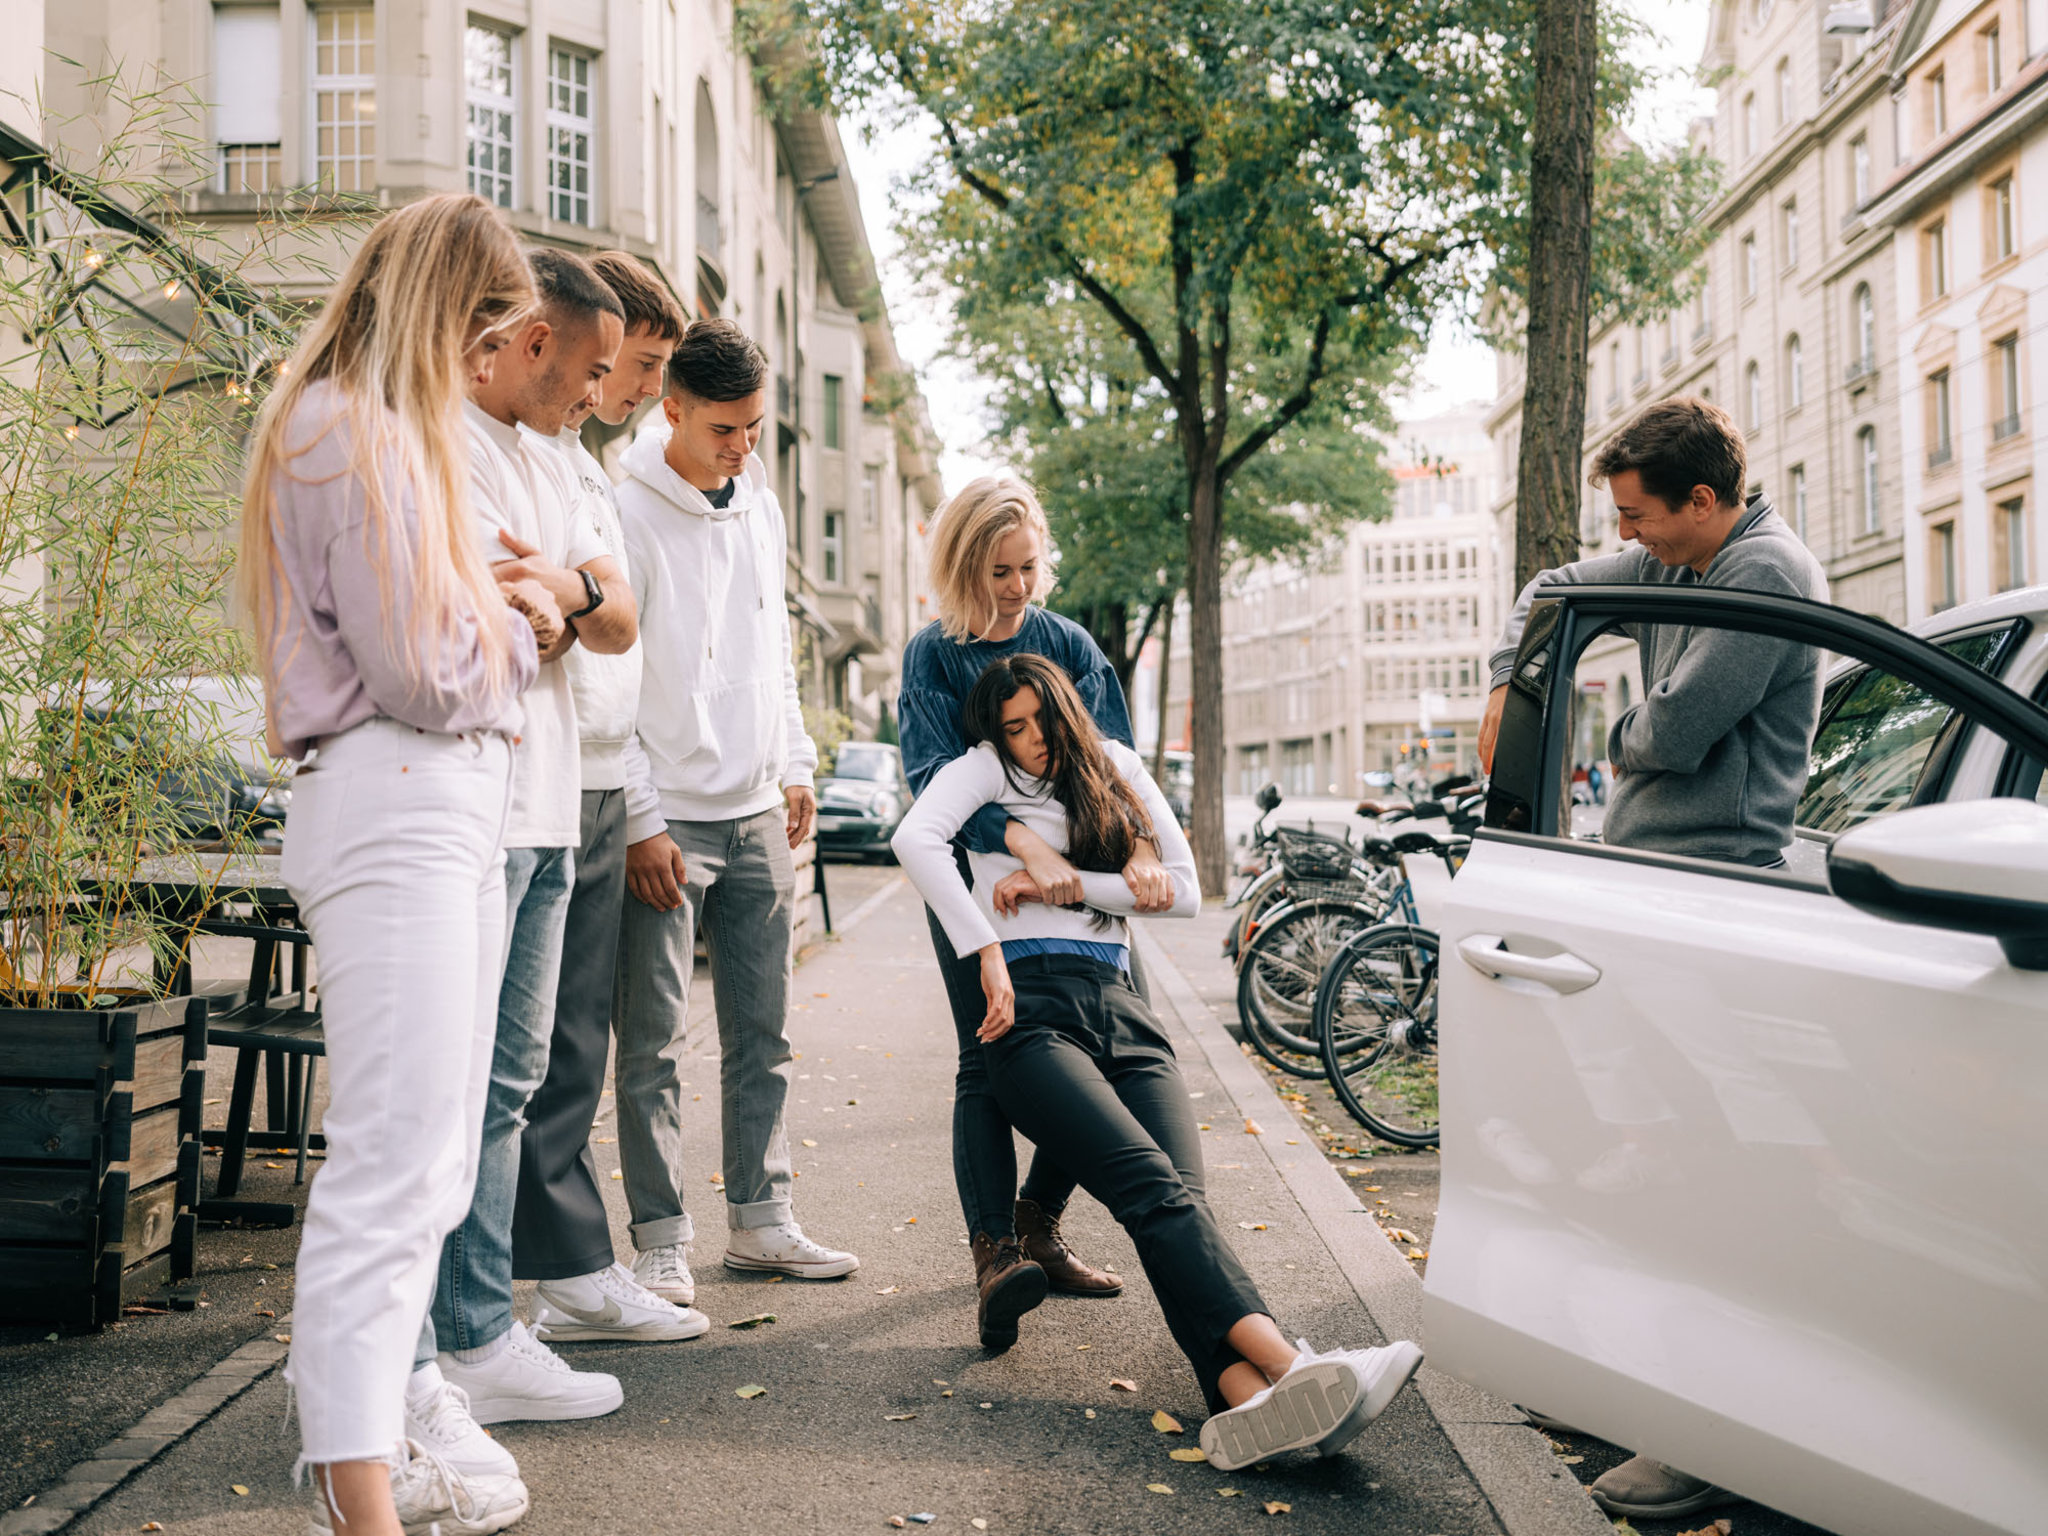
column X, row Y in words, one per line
column 1012, row 1445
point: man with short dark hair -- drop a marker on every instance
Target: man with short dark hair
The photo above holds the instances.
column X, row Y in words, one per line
column 1712, row 761
column 722, row 733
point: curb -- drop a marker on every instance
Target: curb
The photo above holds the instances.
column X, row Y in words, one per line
column 163, row 1427
column 1531, row 1493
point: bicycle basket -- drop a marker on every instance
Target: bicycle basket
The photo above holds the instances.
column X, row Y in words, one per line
column 1314, row 860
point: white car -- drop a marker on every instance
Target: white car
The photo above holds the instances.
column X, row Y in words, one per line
column 1747, row 1170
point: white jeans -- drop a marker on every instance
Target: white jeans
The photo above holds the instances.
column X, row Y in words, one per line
column 392, row 852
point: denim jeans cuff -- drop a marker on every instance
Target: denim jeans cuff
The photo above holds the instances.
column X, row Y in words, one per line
column 762, row 1213
column 668, row 1232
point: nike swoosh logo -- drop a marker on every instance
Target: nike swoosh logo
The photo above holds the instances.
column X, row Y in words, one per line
column 603, row 1317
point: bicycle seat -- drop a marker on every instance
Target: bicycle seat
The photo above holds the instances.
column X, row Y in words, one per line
column 1382, row 850
column 1419, row 842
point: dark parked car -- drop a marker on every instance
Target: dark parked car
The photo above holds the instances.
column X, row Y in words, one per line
column 862, row 803
column 195, row 790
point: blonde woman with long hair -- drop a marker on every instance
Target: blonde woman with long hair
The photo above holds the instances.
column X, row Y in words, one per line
column 392, row 664
column 991, row 569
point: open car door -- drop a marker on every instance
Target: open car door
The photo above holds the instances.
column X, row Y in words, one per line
column 1745, row 1169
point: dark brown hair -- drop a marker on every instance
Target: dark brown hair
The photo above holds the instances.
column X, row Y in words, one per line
column 1105, row 819
column 1675, row 445
column 647, row 303
column 569, row 288
column 717, row 361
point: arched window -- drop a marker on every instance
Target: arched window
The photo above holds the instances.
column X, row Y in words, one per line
column 1753, row 396
column 1866, row 327
column 1795, row 373
column 1866, row 449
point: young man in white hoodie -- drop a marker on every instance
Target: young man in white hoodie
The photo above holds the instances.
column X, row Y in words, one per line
column 561, row 1234
column 731, row 764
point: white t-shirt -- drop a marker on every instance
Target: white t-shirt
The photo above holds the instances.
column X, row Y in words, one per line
column 520, row 484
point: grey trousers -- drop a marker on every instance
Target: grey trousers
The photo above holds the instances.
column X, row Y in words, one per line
column 559, row 1226
column 742, row 889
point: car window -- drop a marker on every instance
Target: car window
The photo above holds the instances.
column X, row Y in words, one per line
column 1875, row 736
column 858, row 761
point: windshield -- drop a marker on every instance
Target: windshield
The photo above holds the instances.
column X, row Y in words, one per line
column 864, row 760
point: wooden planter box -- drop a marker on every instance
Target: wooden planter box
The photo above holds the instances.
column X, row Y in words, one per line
column 99, row 1156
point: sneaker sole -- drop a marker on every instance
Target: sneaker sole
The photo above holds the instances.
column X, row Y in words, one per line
column 1024, row 1288
column 1385, row 1387
column 675, row 1296
column 572, row 1332
column 828, row 1271
column 450, row 1524
column 1309, row 1406
column 1102, row 1291
column 526, row 1410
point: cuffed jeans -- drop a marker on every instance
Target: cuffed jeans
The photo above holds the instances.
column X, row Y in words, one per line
column 473, row 1291
column 392, row 854
column 741, row 885
column 559, row 1226
column 1087, row 1073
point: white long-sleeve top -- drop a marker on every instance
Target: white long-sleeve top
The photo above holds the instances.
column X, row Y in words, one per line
column 923, row 844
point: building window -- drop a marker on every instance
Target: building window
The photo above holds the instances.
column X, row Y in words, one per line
column 1866, row 450
column 1866, row 328
column 487, row 68
column 1749, row 126
column 1795, row 374
column 1941, row 567
column 1940, row 444
column 1784, row 92
column 572, row 129
column 1799, row 500
column 1790, row 220
column 1934, row 259
column 1859, row 168
column 248, row 117
column 1998, row 216
column 345, row 98
column 1937, row 102
column 2005, row 385
column 1749, row 267
column 830, row 545
column 1613, row 375
column 1994, row 61
column 835, row 390
column 1753, row 394
column 2009, row 541
column 870, row 496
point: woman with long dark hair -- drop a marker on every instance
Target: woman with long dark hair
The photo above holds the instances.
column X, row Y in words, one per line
column 1079, row 1064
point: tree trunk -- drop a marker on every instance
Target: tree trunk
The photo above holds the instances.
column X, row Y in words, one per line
column 1547, row 485
column 1165, row 686
column 1205, row 690
column 1110, row 624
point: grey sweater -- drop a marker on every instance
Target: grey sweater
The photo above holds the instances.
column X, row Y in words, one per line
column 1712, row 761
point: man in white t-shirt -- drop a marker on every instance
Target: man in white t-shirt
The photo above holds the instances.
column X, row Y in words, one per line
column 523, row 498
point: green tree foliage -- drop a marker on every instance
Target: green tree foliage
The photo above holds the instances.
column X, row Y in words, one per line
column 1266, row 203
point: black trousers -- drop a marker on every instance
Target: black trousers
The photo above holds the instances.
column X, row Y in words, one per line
column 1087, row 1073
column 559, row 1226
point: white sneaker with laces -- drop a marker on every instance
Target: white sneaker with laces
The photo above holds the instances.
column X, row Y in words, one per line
column 1323, row 1401
column 433, row 1496
column 666, row 1272
column 611, row 1304
column 527, row 1380
column 437, row 1416
column 784, row 1250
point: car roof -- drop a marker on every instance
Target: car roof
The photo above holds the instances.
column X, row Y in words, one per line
column 2021, row 603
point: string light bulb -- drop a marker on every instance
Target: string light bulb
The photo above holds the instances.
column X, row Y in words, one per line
column 93, row 258
column 171, row 289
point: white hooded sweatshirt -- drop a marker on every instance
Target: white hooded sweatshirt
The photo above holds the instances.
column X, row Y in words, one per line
column 719, row 721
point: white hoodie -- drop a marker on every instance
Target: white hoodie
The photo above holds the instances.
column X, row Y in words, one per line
column 719, row 718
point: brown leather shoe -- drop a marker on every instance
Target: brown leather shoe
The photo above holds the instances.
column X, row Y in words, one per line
column 1064, row 1270
column 1010, row 1285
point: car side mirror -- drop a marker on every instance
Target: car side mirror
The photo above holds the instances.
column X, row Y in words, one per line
column 1267, row 798
column 1973, row 866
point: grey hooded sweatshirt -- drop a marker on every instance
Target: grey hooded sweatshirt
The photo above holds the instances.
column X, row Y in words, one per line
column 1712, row 761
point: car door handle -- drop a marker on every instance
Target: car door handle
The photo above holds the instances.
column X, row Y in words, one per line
column 1486, row 953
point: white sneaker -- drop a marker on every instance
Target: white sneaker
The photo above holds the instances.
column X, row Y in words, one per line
column 611, row 1304
column 437, row 1417
column 526, row 1380
column 786, row 1251
column 433, row 1497
column 666, row 1272
column 1323, row 1401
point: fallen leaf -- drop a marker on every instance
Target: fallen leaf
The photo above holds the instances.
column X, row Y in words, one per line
column 1573, row 1461
column 1189, row 1453
column 821, row 994
column 810, row 1143
column 264, row 1312
column 273, row 1165
column 1720, row 1527
column 605, row 1141
column 899, row 1418
column 1402, row 1235
column 1087, row 1413
column 889, row 1290
column 1277, row 1508
column 1253, row 1226
column 1082, row 1349
column 749, row 1390
column 1228, row 1493
column 947, row 1393
column 986, row 1405
column 938, row 1383
column 1118, row 1384
column 1373, row 1189
column 1157, row 1488
column 617, row 1175
column 1205, row 1127
column 897, row 1521
column 909, row 1221
column 1251, row 1127
column 978, row 1523
column 239, row 1491
column 152, row 1525
column 282, row 1338
column 753, row 1322
column 1165, row 1422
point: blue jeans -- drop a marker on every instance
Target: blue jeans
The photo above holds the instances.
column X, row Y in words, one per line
column 473, row 1289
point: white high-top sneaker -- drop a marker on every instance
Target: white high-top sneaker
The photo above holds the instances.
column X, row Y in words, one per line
column 1323, row 1401
column 437, row 1417
column 527, row 1380
column 785, row 1250
column 611, row 1304
column 666, row 1272
column 432, row 1496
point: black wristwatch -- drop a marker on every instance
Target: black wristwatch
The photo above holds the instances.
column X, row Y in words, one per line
column 591, row 590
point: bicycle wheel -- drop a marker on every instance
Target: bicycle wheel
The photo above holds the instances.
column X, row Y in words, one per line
column 1376, row 1028
column 1278, row 973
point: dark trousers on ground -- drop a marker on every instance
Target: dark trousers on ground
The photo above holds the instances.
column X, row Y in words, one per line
column 559, row 1226
column 1087, row 1073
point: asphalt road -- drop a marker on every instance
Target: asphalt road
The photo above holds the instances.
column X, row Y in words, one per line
column 826, row 1447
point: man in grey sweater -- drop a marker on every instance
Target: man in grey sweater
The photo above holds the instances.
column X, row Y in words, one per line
column 1712, row 761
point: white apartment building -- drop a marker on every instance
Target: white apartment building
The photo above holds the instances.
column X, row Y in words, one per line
column 627, row 124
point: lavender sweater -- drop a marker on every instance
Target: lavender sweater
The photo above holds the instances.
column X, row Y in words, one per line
column 345, row 606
